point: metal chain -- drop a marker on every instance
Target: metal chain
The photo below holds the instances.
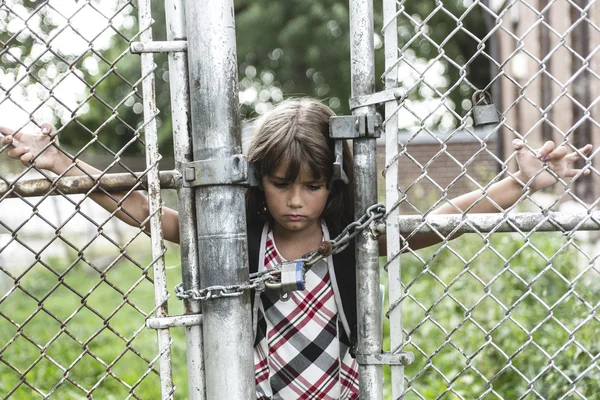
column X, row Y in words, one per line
column 339, row 244
column 271, row 276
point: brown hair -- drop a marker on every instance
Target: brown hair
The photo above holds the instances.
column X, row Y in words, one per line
column 296, row 133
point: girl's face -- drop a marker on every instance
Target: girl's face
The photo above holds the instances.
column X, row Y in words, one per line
column 295, row 206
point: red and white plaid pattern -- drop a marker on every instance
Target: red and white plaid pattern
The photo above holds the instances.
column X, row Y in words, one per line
column 299, row 354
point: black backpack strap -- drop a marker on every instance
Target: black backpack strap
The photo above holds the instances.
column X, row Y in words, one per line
column 254, row 233
column 344, row 265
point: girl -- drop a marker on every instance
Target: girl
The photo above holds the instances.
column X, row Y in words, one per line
column 303, row 345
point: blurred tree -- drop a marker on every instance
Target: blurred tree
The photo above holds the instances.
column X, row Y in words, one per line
column 291, row 48
column 303, row 48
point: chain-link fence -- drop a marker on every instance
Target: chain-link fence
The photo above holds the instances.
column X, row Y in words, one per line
column 510, row 315
column 76, row 286
column 504, row 315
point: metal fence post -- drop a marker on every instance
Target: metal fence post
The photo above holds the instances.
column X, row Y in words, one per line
column 175, row 19
column 221, row 217
column 155, row 202
column 365, row 172
column 390, row 33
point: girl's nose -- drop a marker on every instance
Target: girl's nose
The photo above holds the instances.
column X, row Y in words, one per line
column 295, row 198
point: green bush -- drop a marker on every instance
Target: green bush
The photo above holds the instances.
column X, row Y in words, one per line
column 511, row 316
column 506, row 316
column 78, row 329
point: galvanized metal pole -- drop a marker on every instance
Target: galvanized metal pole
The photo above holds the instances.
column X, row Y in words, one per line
column 390, row 38
column 221, row 216
column 161, row 293
column 362, row 62
column 182, row 143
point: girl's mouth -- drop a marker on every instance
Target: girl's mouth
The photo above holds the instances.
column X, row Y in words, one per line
column 294, row 217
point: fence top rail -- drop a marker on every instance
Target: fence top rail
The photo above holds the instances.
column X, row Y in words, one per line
column 497, row 222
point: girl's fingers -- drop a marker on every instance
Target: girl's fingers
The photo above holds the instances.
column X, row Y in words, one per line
column 574, row 156
column 5, row 131
column 545, row 150
column 7, row 137
column 26, row 158
column 587, row 149
column 7, row 140
column 574, row 172
column 558, row 153
column 47, row 128
column 18, row 152
column 518, row 144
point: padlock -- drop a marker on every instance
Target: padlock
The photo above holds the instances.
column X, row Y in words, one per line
column 292, row 276
column 484, row 114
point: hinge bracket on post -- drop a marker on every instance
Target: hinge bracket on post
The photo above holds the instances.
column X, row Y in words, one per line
column 350, row 127
column 355, row 126
column 228, row 171
column 394, row 94
column 385, row 358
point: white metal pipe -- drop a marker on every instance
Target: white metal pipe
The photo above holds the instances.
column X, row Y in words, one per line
column 182, row 143
column 159, row 47
column 221, row 216
column 174, row 321
column 155, row 202
column 495, row 222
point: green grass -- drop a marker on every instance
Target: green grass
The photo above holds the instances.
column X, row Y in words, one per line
column 61, row 332
column 537, row 321
column 56, row 337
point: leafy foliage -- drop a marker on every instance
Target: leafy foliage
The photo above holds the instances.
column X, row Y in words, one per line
column 100, row 330
column 291, row 48
column 499, row 315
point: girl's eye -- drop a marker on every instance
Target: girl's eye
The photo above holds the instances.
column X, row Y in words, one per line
column 280, row 185
column 314, row 188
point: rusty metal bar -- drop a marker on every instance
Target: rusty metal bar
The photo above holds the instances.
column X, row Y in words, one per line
column 110, row 183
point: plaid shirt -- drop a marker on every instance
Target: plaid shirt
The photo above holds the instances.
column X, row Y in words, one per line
column 298, row 353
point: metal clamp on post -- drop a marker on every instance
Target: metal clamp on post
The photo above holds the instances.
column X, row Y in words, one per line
column 232, row 170
column 253, row 179
column 355, row 126
column 338, row 165
column 385, row 358
column 350, row 127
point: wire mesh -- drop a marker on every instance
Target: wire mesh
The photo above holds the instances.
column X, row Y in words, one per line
column 505, row 315
column 76, row 286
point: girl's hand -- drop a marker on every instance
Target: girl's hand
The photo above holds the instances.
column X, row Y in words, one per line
column 25, row 146
column 559, row 160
